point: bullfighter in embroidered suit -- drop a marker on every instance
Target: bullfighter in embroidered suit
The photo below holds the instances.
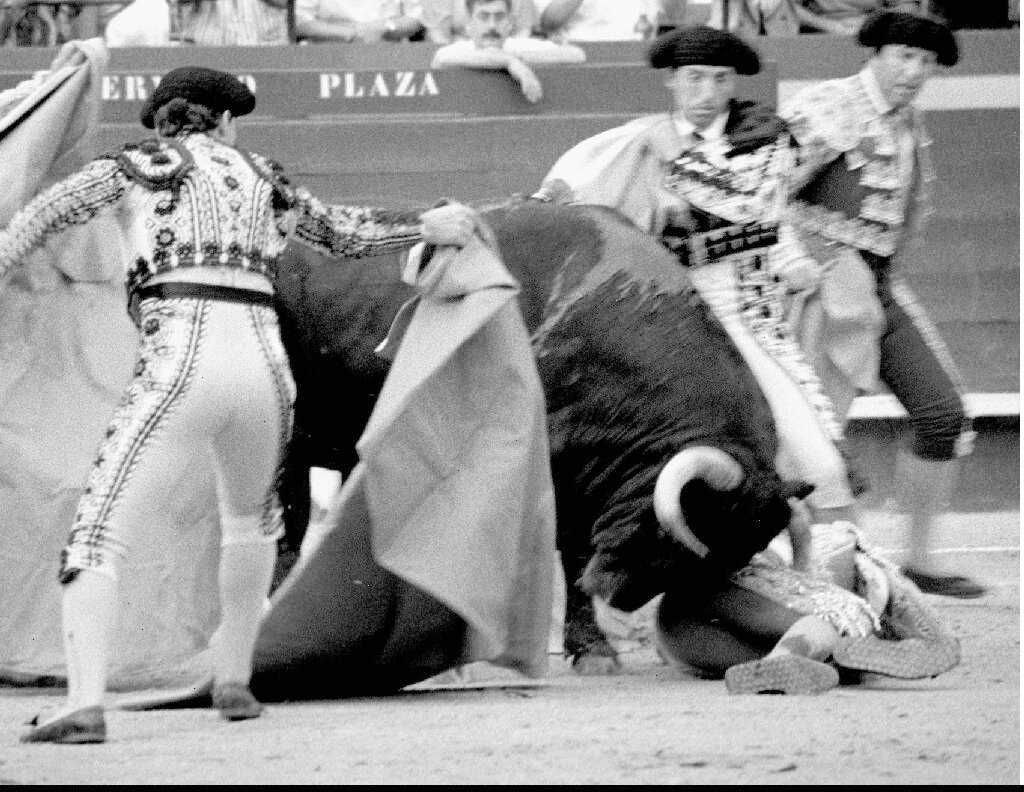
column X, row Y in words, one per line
column 860, row 197
column 711, row 178
column 203, row 224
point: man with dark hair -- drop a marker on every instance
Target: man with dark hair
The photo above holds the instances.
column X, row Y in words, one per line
column 490, row 46
column 861, row 195
column 204, row 224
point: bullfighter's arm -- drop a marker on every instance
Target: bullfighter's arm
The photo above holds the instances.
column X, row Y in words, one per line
column 466, row 55
column 789, row 259
column 354, row 231
column 75, row 200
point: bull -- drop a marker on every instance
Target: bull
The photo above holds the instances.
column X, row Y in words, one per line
column 662, row 445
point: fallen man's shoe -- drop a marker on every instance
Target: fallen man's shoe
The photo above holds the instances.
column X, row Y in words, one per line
column 945, row 585
column 909, row 658
column 85, row 725
column 789, row 674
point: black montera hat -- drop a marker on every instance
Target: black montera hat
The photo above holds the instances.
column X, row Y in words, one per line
column 899, row 27
column 703, row 46
column 211, row 88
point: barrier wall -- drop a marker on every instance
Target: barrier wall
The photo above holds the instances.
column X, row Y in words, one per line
column 375, row 125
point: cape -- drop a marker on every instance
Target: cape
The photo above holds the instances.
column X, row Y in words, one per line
column 625, row 166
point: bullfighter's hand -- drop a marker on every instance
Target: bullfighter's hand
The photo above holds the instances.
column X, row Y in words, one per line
column 676, row 211
column 802, row 274
column 69, row 55
column 451, row 224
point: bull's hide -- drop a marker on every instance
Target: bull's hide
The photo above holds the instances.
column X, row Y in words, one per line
column 634, row 369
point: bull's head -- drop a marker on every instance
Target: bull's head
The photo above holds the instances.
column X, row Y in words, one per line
column 709, row 486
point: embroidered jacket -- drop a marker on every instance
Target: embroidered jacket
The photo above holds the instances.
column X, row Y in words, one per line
column 194, row 201
column 853, row 184
column 736, row 186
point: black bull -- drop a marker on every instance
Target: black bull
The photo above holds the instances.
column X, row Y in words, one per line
column 634, row 370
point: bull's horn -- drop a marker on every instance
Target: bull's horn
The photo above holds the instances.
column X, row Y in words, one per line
column 715, row 467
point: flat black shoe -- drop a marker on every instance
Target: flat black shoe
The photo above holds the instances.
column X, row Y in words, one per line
column 235, row 701
column 945, row 585
column 84, row 725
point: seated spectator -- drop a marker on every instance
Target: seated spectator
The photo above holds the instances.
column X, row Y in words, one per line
column 490, row 46
column 597, row 20
column 141, row 23
column 446, row 20
column 216, row 23
column 844, row 17
column 670, row 15
column 27, row 24
column 367, row 21
column 756, row 17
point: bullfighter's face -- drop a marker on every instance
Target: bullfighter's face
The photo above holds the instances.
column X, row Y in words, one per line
column 702, row 93
column 901, row 72
column 490, row 23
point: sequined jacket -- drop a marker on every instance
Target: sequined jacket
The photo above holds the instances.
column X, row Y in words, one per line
column 849, row 189
column 194, row 201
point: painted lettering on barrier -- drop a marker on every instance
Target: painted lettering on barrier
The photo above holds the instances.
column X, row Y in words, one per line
column 139, row 87
column 367, row 85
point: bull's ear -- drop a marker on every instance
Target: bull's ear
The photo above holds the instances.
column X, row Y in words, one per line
column 796, row 489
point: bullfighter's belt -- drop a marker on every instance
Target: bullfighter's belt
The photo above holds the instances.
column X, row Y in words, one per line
column 204, row 291
column 199, row 291
column 699, row 249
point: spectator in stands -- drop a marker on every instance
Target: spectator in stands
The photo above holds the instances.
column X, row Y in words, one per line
column 670, row 15
column 598, row 20
column 23, row 23
column 367, row 21
column 839, row 16
column 490, row 46
column 234, row 22
column 141, row 23
column 756, row 17
column 446, row 20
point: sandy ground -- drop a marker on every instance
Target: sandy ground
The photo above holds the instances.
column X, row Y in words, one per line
column 650, row 724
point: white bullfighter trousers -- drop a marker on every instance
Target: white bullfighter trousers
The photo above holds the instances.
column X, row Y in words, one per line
column 211, row 377
column 805, row 421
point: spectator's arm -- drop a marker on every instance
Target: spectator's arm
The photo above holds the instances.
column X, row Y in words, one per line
column 557, row 13
column 73, row 201
column 493, row 59
column 540, row 53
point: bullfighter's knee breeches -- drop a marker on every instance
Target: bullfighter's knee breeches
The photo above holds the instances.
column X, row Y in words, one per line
column 917, row 367
column 211, row 381
column 805, row 421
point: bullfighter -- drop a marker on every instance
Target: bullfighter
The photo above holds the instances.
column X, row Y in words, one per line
column 861, row 195
column 205, row 223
